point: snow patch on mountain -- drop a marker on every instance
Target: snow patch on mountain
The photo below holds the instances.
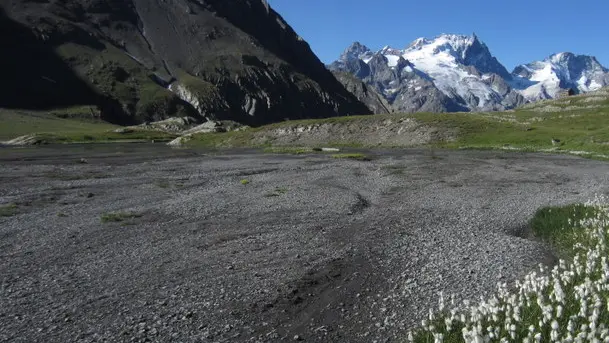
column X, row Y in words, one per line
column 441, row 58
column 548, row 78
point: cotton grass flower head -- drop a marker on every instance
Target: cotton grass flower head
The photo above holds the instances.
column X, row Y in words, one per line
column 567, row 303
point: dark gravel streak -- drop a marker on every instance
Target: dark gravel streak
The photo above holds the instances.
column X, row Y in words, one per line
column 329, row 250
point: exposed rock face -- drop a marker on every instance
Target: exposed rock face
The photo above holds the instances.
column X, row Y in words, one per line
column 215, row 59
column 477, row 55
column 390, row 132
column 364, row 93
column 404, row 88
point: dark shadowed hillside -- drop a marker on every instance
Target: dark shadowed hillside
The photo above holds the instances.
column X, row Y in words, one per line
column 228, row 59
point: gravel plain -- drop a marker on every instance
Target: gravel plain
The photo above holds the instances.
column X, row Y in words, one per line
column 309, row 248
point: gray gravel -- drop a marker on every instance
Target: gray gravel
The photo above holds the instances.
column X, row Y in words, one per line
column 313, row 248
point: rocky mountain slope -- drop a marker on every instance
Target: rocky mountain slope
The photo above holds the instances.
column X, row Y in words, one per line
column 452, row 73
column 141, row 60
column 548, row 78
column 364, row 93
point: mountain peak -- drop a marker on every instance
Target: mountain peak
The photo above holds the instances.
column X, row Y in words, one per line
column 572, row 60
column 354, row 51
column 459, row 43
column 561, row 56
column 464, row 49
column 456, row 45
column 417, row 43
column 387, row 50
column 357, row 46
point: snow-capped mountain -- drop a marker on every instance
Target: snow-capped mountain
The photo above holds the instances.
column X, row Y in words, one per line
column 458, row 73
column 446, row 73
column 546, row 79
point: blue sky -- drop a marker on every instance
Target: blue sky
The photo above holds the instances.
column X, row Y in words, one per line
column 515, row 31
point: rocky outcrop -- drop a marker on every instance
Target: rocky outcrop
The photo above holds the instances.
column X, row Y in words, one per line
column 171, row 125
column 150, row 60
column 380, row 130
column 364, row 93
column 25, row 140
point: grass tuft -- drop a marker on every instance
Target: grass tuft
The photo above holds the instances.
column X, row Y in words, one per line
column 117, row 217
column 352, row 156
column 162, row 184
column 8, row 210
column 278, row 191
column 561, row 226
column 288, row 150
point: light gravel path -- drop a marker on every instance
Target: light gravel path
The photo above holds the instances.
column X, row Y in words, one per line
column 328, row 250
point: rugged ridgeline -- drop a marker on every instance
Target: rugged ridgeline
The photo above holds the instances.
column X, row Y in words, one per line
column 451, row 73
column 141, row 60
column 364, row 93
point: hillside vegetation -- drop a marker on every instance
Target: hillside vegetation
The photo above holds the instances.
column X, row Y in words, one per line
column 575, row 125
column 67, row 125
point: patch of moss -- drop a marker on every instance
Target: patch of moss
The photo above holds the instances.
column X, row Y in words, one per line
column 8, row 210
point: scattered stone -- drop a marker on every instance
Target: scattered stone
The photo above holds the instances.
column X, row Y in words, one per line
column 172, row 125
column 330, row 149
column 180, row 141
column 207, row 127
column 124, row 130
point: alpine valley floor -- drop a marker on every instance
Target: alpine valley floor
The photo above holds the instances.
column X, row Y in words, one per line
column 134, row 243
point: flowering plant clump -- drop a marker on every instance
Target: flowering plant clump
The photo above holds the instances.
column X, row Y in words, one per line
column 568, row 303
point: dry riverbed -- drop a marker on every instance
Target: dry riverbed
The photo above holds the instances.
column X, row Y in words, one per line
column 135, row 243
